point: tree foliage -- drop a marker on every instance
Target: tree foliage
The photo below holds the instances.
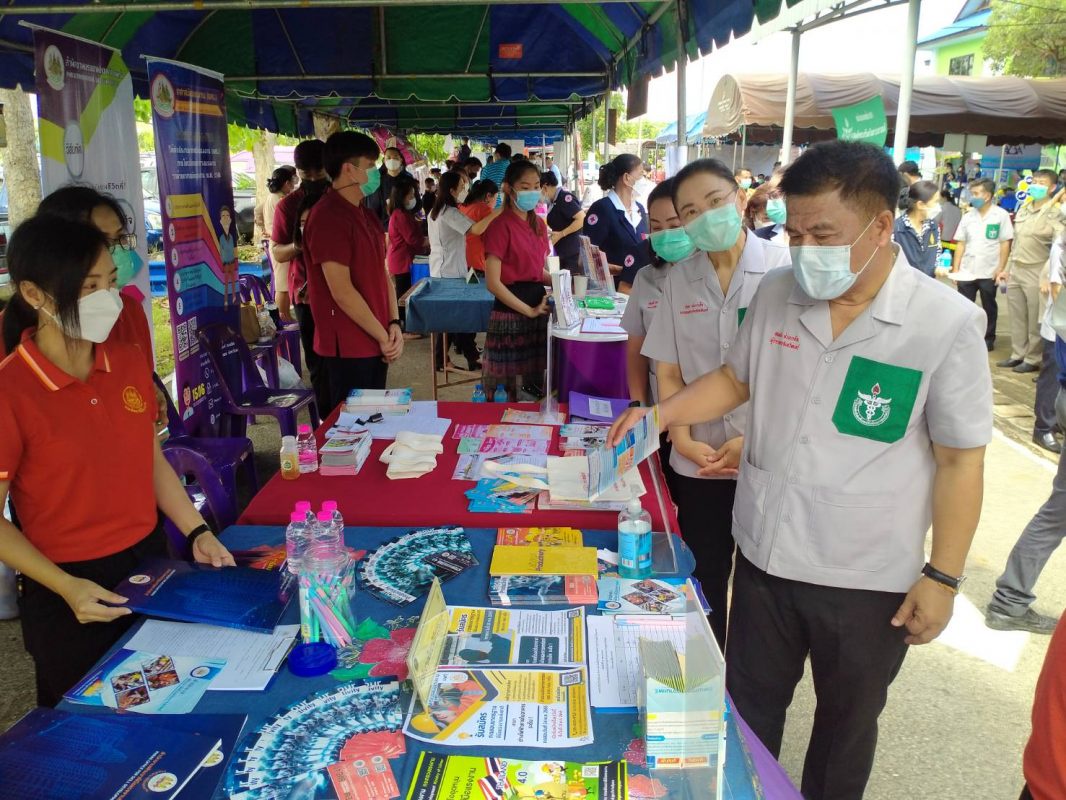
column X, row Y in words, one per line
column 628, row 130
column 1027, row 37
column 431, row 146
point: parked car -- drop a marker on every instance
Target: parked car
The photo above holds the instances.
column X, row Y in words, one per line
column 243, row 202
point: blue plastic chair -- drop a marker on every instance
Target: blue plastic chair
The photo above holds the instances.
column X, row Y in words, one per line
column 256, row 290
column 226, row 455
column 243, row 392
column 205, row 489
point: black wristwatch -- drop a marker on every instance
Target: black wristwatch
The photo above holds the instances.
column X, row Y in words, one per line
column 394, row 322
column 933, row 574
column 197, row 532
column 635, row 404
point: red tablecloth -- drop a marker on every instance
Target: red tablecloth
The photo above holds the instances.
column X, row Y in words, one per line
column 371, row 499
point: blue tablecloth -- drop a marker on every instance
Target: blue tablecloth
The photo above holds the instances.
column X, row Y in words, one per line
column 449, row 305
column 613, row 732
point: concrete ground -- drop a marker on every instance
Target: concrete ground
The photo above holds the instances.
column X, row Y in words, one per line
column 958, row 714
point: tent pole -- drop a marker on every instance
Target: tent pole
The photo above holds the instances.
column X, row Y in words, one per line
column 790, row 99
column 743, row 143
column 682, row 111
column 543, row 152
column 906, row 84
column 1002, row 158
column 592, row 144
column 606, row 126
column 734, row 156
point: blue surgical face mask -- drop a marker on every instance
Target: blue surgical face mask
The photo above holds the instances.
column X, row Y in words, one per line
column 775, row 210
column 527, row 200
column 716, row 229
column 977, row 202
column 128, row 263
column 824, row 272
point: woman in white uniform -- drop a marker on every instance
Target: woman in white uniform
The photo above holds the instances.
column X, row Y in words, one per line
column 704, row 299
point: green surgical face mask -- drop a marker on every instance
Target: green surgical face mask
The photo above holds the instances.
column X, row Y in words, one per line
column 1038, row 191
column 775, row 210
column 373, row 181
column 716, row 229
column 128, row 263
column 672, row 245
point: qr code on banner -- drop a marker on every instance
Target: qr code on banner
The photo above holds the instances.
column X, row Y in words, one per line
column 181, row 331
column 193, row 326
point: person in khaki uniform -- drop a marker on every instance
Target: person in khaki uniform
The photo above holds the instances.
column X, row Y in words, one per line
column 1036, row 225
column 870, row 409
column 704, row 300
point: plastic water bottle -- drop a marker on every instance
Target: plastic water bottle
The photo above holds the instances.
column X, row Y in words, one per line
column 290, row 458
column 501, row 394
column 304, row 507
column 307, row 449
column 479, row 394
column 325, row 537
column 634, row 541
column 297, row 540
column 330, row 507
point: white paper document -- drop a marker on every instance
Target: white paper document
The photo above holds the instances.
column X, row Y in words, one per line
column 614, row 656
column 252, row 658
column 422, row 418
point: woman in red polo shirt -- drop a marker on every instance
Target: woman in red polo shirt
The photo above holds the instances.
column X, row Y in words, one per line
column 75, row 422
column 516, row 245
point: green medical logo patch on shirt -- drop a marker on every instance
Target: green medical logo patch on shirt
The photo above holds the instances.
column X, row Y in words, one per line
column 992, row 231
column 740, row 315
column 876, row 400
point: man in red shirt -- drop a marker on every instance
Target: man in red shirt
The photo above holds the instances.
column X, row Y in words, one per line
column 357, row 330
column 283, row 249
column 1044, row 763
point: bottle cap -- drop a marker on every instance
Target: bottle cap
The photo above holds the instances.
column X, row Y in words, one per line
column 303, row 506
column 297, row 516
column 288, row 440
column 325, row 516
column 635, row 506
column 305, row 428
column 329, row 505
column 310, row 659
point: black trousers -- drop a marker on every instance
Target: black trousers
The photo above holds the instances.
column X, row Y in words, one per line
column 986, row 287
column 1047, row 388
column 315, row 366
column 62, row 648
column 346, row 374
column 705, row 512
column 774, row 625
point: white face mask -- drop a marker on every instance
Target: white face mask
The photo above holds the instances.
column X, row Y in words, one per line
column 411, row 204
column 824, row 272
column 393, row 164
column 460, row 197
column 97, row 314
column 932, row 211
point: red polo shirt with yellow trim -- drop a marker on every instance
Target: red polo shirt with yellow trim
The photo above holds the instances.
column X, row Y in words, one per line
column 79, row 456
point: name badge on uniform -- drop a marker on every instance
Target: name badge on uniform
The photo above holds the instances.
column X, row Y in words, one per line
column 876, row 400
column 992, row 230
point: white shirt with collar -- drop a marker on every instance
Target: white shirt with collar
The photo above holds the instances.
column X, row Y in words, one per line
column 836, row 478
column 632, row 213
column 695, row 326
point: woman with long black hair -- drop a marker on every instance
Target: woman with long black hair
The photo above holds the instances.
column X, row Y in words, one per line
column 516, row 246
column 617, row 223
column 76, row 418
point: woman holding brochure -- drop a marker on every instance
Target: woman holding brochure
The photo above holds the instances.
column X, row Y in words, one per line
column 516, row 245
column 76, row 420
column 704, row 298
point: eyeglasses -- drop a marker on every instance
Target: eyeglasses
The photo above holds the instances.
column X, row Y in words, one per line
column 127, row 241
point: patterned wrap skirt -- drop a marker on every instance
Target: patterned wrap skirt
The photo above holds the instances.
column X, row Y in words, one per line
column 515, row 344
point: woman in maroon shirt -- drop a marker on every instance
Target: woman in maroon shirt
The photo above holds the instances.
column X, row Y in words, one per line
column 406, row 239
column 516, row 244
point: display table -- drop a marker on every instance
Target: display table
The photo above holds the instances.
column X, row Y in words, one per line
column 750, row 772
column 591, row 363
column 370, row 498
column 439, row 306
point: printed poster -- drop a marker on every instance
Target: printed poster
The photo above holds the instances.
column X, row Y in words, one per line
column 199, row 226
column 89, row 136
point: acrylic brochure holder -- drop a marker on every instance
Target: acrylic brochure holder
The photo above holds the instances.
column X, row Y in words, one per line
column 681, row 699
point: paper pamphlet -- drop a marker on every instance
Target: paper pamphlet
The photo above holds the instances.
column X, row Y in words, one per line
column 569, row 480
column 147, row 683
column 608, row 464
column 471, row 466
column 608, row 326
column 492, row 446
column 525, row 560
column 514, row 416
column 428, row 644
column 540, row 537
column 516, row 432
column 614, row 656
column 566, row 313
column 482, row 637
column 252, row 659
column 504, row 707
column 597, row 409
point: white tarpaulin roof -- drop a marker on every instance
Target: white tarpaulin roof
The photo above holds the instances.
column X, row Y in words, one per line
column 1006, row 109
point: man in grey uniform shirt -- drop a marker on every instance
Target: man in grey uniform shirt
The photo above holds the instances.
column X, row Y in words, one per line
column 870, row 408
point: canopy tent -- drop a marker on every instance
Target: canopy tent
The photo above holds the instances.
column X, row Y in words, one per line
column 693, row 127
column 1006, row 109
column 398, row 64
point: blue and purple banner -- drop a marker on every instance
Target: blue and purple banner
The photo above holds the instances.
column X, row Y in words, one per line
column 199, row 226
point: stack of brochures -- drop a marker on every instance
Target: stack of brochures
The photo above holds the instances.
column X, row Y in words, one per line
column 378, row 401
column 582, row 437
column 345, row 453
column 548, row 568
column 451, row 777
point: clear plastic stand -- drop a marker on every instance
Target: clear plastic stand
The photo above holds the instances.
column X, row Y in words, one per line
column 549, row 406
